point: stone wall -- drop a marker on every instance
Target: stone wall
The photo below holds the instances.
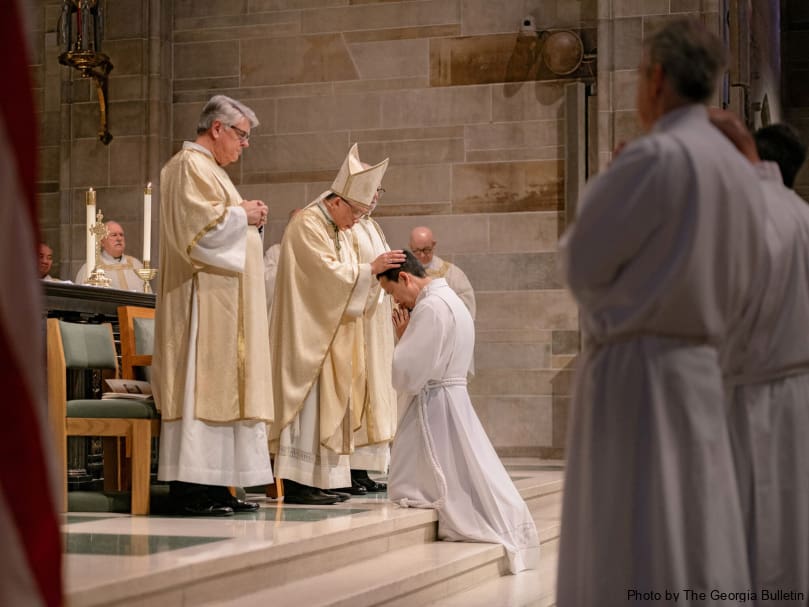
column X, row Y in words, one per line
column 623, row 24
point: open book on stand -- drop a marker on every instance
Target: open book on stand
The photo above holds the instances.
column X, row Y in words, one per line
column 128, row 388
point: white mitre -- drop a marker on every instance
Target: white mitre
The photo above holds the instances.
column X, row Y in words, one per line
column 356, row 183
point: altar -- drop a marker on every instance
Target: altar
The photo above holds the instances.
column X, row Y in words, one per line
column 82, row 303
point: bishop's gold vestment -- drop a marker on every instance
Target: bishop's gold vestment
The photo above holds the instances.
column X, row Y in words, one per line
column 316, row 327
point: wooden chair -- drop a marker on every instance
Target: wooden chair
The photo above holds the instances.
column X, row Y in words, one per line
column 86, row 346
column 136, row 330
column 136, row 327
column 137, row 339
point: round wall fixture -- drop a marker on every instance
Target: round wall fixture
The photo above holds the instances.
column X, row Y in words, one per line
column 562, row 51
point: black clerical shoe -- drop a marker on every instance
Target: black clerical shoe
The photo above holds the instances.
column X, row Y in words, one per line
column 202, row 506
column 338, row 494
column 238, row 505
column 371, row 485
column 354, row 489
column 361, row 477
column 295, row 493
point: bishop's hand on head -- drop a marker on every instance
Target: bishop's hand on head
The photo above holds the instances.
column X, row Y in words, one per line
column 387, row 260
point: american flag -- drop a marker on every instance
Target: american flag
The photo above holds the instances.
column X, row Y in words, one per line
column 30, row 550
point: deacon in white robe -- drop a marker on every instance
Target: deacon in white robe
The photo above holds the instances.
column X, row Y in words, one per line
column 664, row 258
column 441, row 457
column 767, row 378
column 316, row 336
column 118, row 267
column 211, row 354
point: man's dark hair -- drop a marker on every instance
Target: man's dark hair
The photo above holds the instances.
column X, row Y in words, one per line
column 781, row 144
column 411, row 265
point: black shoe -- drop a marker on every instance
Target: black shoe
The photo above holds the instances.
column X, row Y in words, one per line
column 371, row 485
column 354, row 489
column 202, row 506
column 338, row 494
column 295, row 493
column 218, row 493
column 238, row 505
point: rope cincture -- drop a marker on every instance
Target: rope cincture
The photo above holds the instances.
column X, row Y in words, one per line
column 441, row 481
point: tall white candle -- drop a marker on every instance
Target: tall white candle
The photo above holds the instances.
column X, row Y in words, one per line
column 90, row 200
column 147, row 222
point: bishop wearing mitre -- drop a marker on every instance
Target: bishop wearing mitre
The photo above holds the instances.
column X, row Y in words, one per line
column 316, row 336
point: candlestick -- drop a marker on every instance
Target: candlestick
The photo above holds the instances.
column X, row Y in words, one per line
column 90, row 250
column 97, row 276
column 147, row 222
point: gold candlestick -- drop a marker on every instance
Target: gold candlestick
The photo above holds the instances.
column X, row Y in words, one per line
column 98, row 278
column 146, row 274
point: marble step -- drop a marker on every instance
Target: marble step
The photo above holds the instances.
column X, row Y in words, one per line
column 241, row 567
column 536, row 588
column 421, row 574
column 406, row 577
column 375, row 547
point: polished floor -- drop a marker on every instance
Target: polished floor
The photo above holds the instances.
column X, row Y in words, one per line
column 107, row 551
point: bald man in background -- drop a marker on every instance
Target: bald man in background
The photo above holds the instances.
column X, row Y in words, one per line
column 422, row 243
column 119, row 267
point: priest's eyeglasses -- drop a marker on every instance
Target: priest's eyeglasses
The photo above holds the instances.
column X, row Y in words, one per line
column 242, row 135
column 423, row 251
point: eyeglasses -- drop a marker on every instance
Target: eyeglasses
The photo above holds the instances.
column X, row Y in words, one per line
column 242, row 135
column 356, row 212
column 423, row 251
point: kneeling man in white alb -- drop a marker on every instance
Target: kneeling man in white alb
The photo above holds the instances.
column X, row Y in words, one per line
column 441, row 457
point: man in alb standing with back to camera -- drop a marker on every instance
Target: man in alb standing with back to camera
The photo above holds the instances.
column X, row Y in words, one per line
column 664, row 258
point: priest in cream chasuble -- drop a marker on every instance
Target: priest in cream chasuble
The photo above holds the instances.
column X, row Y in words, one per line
column 379, row 410
column 316, row 332
column 211, row 359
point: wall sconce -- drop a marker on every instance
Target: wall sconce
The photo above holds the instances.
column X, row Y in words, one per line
column 561, row 50
column 80, row 31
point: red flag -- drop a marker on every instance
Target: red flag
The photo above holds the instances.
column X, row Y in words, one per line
column 30, row 552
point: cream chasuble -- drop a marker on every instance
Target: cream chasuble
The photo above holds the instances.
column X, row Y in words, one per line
column 197, row 451
column 316, row 343
column 211, row 355
column 379, row 415
column 231, row 356
column 121, row 272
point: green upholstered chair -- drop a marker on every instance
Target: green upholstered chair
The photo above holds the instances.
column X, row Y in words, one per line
column 86, row 346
